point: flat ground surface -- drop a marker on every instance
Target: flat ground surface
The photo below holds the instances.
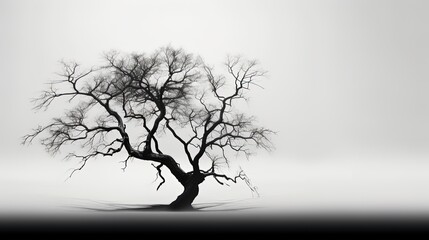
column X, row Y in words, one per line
column 228, row 216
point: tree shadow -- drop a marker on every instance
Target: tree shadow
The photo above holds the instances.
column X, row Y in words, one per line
column 199, row 207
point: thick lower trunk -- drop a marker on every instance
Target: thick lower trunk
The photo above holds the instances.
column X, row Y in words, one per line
column 191, row 189
column 184, row 201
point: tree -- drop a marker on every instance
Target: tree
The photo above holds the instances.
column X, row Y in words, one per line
column 168, row 92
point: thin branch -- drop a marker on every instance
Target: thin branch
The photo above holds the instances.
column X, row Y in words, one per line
column 241, row 175
column 125, row 163
column 159, row 174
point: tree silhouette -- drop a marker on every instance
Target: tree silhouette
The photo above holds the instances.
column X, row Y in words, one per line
column 167, row 92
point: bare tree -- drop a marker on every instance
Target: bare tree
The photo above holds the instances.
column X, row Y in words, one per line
column 169, row 91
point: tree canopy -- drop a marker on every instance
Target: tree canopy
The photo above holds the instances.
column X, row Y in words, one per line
column 166, row 92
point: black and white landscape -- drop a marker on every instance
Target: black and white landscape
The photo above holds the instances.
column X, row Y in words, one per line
column 339, row 101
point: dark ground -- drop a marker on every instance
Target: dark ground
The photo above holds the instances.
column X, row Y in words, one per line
column 157, row 219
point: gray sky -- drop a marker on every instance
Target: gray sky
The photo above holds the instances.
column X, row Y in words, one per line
column 347, row 81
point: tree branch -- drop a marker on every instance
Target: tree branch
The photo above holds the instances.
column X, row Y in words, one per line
column 159, row 174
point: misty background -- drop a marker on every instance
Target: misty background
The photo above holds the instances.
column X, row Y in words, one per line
column 346, row 92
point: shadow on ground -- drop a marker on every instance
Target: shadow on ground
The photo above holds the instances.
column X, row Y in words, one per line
column 226, row 206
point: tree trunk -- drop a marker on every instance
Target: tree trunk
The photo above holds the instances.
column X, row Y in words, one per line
column 190, row 192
